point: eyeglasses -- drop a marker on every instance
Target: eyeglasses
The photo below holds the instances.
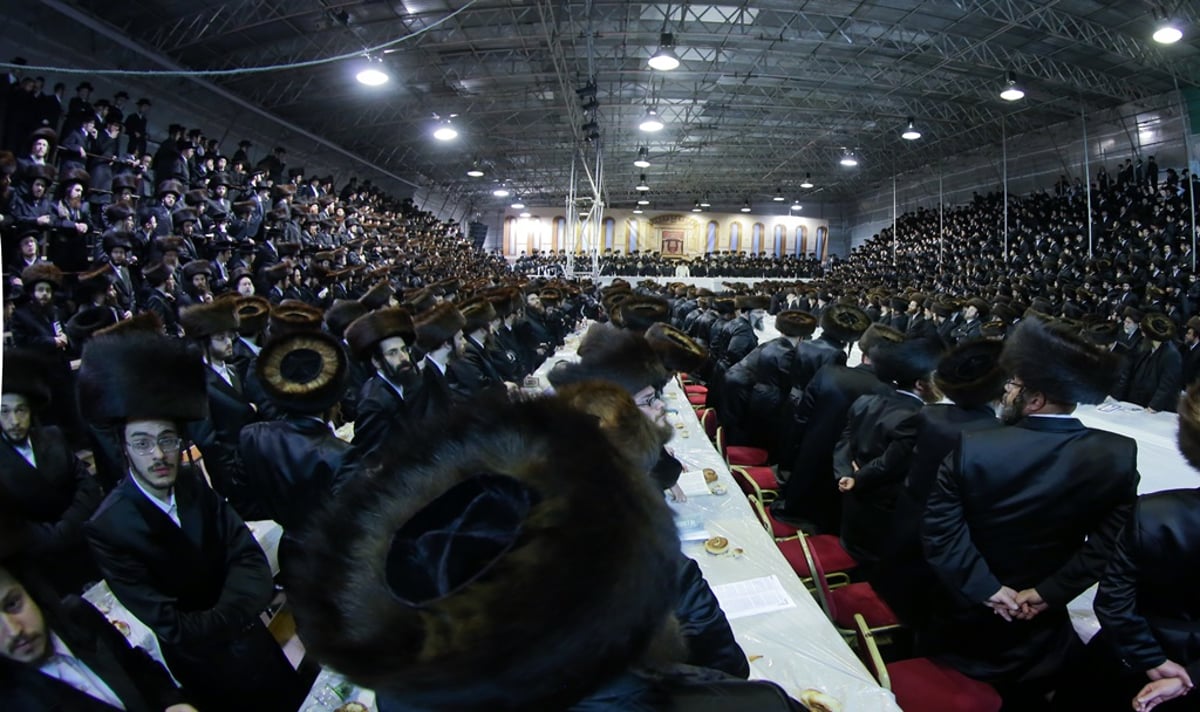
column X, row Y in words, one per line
column 1012, row 383
column 650, row 400
column 145, row 446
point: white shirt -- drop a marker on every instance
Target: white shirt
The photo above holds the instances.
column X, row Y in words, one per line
column 395, row 386
column 64, row 666
column 25, row 449
column 222, row 370
column 167, row 507
column 440, row 366
column 254, row 348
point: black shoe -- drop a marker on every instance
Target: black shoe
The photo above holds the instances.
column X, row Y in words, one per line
column 780, row 513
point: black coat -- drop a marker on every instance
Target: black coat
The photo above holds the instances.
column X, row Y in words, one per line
column 811, row 492
column 55, row 499
column 289, row 467
column 1191, row 365
column 138, row 680
column 1153, row 378
column 1035, row 505
column 217, row 436
column 1148, row 601
column 740, row 340
column 756, row 391
column 710, row 641
column 879, row 436
column 200, row 587
column 810, row 357
column 473, row 374
column 380, row 411
column 903, row 577
column 521, row 365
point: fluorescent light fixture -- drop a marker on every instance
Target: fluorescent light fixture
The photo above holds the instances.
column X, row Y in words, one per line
column 638, row 211
column 475, row 173
column 911, row 133
column 1167, row 32
column 501, row 191
column 1011, row 91
column 807, row 181
column 778, row 196
column 643, row 158
column 371, row 72
column 518, row 205
column 642, row 184
column 651, row 122
column 746, row 207
column 849, row 160
column 643, row 201
column 664, row 60
column 797, row 206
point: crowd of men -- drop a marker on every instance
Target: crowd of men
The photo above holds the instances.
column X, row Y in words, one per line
column 428, row 552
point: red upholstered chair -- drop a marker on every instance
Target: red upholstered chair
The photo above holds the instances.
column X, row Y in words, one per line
column 697, row 398
column 799, row 556
column 759, row 481
column 841, row 604
column 695, row 388
column 777, row 529
column 708, row 419
column 921, row 684
column 740, row 454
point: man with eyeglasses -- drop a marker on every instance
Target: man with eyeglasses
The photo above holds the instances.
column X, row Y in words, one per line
column 174, row 552
column 1022, row 519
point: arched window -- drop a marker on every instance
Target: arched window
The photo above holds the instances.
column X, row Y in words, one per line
column 510, row 227
column 780, row 238
column 756, row 238
column 801, row 246
column 560, row 234
column 631, row 227
column 822, row 245
column 610, row 232
column 712, row 236
column 735, row 236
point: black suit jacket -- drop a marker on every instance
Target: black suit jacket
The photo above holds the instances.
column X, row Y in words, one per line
column 473, row 373
column 1036, row 505
column 138, row 680
column 1191, row 365
column 290, row 466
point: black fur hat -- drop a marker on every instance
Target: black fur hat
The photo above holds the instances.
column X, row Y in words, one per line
column 292, row 315
column 41, row 272
column 677, row 351
column 1158, row 327
column 905, row 362
column 303, row 371
column 1055, row 360
column 970, row 374
column 1189, row 425
column 478, row 314
column 449, row 574
column 147, row 321
column 724, row 305
column 87, row 321
column 253, row 315
column 364, row 332
column 793, row 322
column 438, row 325
column 639, row 312
column 140, row 375
column 203, row 320
column 377, row 296
column 619, row 356
column 844, row 323
column 156, row 273
column 746, row 302
column 195, row 267
column 342, row 313
column 25, row 374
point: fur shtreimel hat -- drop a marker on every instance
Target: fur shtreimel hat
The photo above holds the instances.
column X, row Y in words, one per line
column 195, row 267
column 505, row 300
column 86, row 322
column 378, row 295
column 342, row 313
column 419, row 301
column 1189, row 425
column 1158, row 327
column 970, row 374
column 41, row 272
column 203, row 320
column 303, row 371
column 478, row 313
column 366, row 331
column 615, row 355
column 139, row 375
column 905, row 362
column 639, row 313
column 677, row 351
column 25, row 374
column 623, row 422
column 147, row 322
column 1055, row 360
column 844, row 323
column 746, row 302
column 441, row 576
column 291, row 315
column 793, row 322
column 438, row 325
column 253, row 315
column 724, row 305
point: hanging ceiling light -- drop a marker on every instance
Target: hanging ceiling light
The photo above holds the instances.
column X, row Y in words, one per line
column 1011, row 91
column 778, row 195
column 526, row 215
column 746, row 207
column 642, row 184
column 848, row 159
column 651, row 122
column 643, row 158
column 475, row 171
column 643, row 201
column 704, row 202
column 371, row 72
column 501, row 191
column 1167, row 32
column 638, row 211
column 796, row 205
column 517, row 205
column 664, row 60
column 445, row 130
column 911, row 133
column 696, row 208
column 807, row 181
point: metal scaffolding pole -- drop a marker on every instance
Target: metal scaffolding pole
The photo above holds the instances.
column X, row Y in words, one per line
column 1087, row 175
column 1004, row 158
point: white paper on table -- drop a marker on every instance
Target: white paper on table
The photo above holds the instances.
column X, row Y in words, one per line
column 691, row 530
column 692, row 483
column 752, row 597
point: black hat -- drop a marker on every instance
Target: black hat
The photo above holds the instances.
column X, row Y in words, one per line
column 438, row 326
column 341, row 314
column 677, row 351
column 291, row 315
column 746, row 302
column 195, row 267
column 144, row 102
column 1055, row 360
column 1158, row 327
column 170, row 186
column 140, row 376
column 365, row 332
column 203, row 320
column 156, row 273
column 87, row 321
column 478, row 313
column 84, row 85
column 470, row 525
column 303, row 371
column 378, row 295
column 619, row 356
column 793, row 322
column 41, row 272
column 25, row 374
column 970, row 374
column 905, row 362
column 1102, row 333
column 35, row 172
column 844, row 323
column 125, row 181
column 253, row 313
column 639, row 312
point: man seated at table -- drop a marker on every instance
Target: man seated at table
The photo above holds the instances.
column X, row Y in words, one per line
column 509, row 558
column 173, row 552
column 63, row 655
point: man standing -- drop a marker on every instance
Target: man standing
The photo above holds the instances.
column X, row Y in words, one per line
column 381, row 341
column 1023, row 519
column 439, row 336
column 173, row 551
column 1154, row 372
